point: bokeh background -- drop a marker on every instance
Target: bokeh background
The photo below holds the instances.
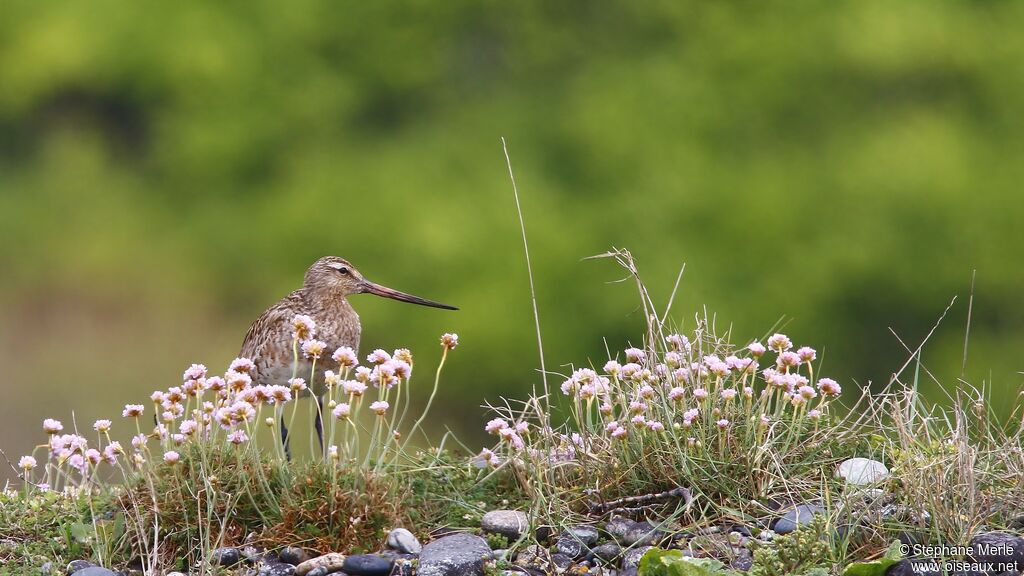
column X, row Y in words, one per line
column 168, row 170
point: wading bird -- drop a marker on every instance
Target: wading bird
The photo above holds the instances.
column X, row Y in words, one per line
column 324, row 298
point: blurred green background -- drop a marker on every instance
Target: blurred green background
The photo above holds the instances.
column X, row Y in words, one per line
column 168, row 170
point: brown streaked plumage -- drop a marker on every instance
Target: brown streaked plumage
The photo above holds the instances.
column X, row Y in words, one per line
column 324, row 298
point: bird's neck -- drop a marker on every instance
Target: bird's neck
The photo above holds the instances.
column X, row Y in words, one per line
column 330, row 300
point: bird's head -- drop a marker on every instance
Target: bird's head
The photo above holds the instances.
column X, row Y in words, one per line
column 337, row 275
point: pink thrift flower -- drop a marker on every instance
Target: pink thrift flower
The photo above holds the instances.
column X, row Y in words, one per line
column 780, row 342
column 345, row 357
column 807, row 354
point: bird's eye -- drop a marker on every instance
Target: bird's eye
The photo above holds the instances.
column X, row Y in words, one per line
column 343, row 270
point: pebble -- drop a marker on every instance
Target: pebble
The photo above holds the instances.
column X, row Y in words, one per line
column 404, row 541
column 561, row 561
column 320, row 571
column 276, row 569
column 331, row 562
column 93, row 571
column 509, row 523
column 252, row 554
column 587, row 535
column 77, row 565
column 799, row 515
column 608, row 551
column 455, row 555
column 294, row 556
column 863, row 471
column 1006, row 549
column 225, row 556
column 632, row 557
column 366, row 565
column 629, row 533
column 570, row 547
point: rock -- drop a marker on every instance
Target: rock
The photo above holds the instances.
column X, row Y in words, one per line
column 331, row 561
column 509, row 523
column 632, row 557
column 455, row 555
column 1003, row 550
column 276, row 569
column 561, row 561
column 570, row 547
column 630, row 571
column 366, row 565
column 743, row 561
column 587, row 535
column 93, row 571
column 404, row 541
column 292, row 555
column 319, row 571
column 225, row 557
column 608, row 551
column 175, row 574
column 799, row 515
column 863, row 471
column 252, row 554
column 77, row 565
column 533, row 556
column 766, row 535
column 403, row 567
column 629, row 533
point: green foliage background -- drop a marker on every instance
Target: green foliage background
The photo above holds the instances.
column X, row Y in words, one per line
column 167, row 170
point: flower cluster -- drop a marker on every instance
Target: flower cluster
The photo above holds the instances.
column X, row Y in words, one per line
column 228, row 408
column 695, row 388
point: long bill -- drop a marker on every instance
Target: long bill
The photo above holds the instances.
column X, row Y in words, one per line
column 371, row 288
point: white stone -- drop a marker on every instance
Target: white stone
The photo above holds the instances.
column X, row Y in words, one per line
column 863, row 471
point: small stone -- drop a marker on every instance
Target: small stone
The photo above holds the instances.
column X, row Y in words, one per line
column 999, row 549
column 331, row 562
column 455, row 555
column 252, row 554
column 319, row 571
column 800, row 515
column 175, row 574
column 632, row 557
column 404, row 567
column 225, row 557
column 560, row 560
column 509, row 523
column 863, row 471
column 77, row 565
column 629, row 533
column 366, row 565
column 404, row 541
column 570, row 547
column 587, row 535
column 531, row 556
column 766, row 535
column 93, row 571
column 608, row 551
column 276, row 569
column 293, row 555
column 744, row 560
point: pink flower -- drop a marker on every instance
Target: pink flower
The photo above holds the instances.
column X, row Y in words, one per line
column 677, row 393
column 728, row 393
column 637, row 407
column 522, row 427
column 722, row 424
column 345, row 356
column 449, row 341
column 303, row 327
column 101, row 426
column 612, row 368
column 806, row 354
column 807, row 392
column 378, row 356
column 814, row 414
column 656, row 426
column 194, row 372
column 133, row 410
column 636, row 355
column 353, row 387
column 342, row 411
column 788, row 360
column 611, row 427
column 678, row 342
column 638, row 421
column 237, row 437
column 780, row 342
column 93, row 456
column 26, row 463
column 172, row 457
column 297, row 384
column 619, row 432
column 313, row 349
column 495, row 426
column 719, row 368
column 700, row 393
column 243, row 365
column 78, row 462
column 215, row 383
column 829, row 387
column 646, row 391
column 756, row 349
column 51, row 426
column 380, row 407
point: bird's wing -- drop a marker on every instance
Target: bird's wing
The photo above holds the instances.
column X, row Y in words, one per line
column 270, row 335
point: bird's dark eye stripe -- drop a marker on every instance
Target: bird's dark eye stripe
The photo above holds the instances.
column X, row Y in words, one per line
column 343, row 270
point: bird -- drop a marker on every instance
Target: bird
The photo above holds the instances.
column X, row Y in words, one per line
column 269, row 342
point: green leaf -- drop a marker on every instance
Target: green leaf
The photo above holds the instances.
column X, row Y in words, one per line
column 658, row 562
column 876, row 567
column 82, row 533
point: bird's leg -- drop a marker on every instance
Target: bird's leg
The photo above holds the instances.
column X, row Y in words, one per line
column 284, row 440
column 320, row 422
